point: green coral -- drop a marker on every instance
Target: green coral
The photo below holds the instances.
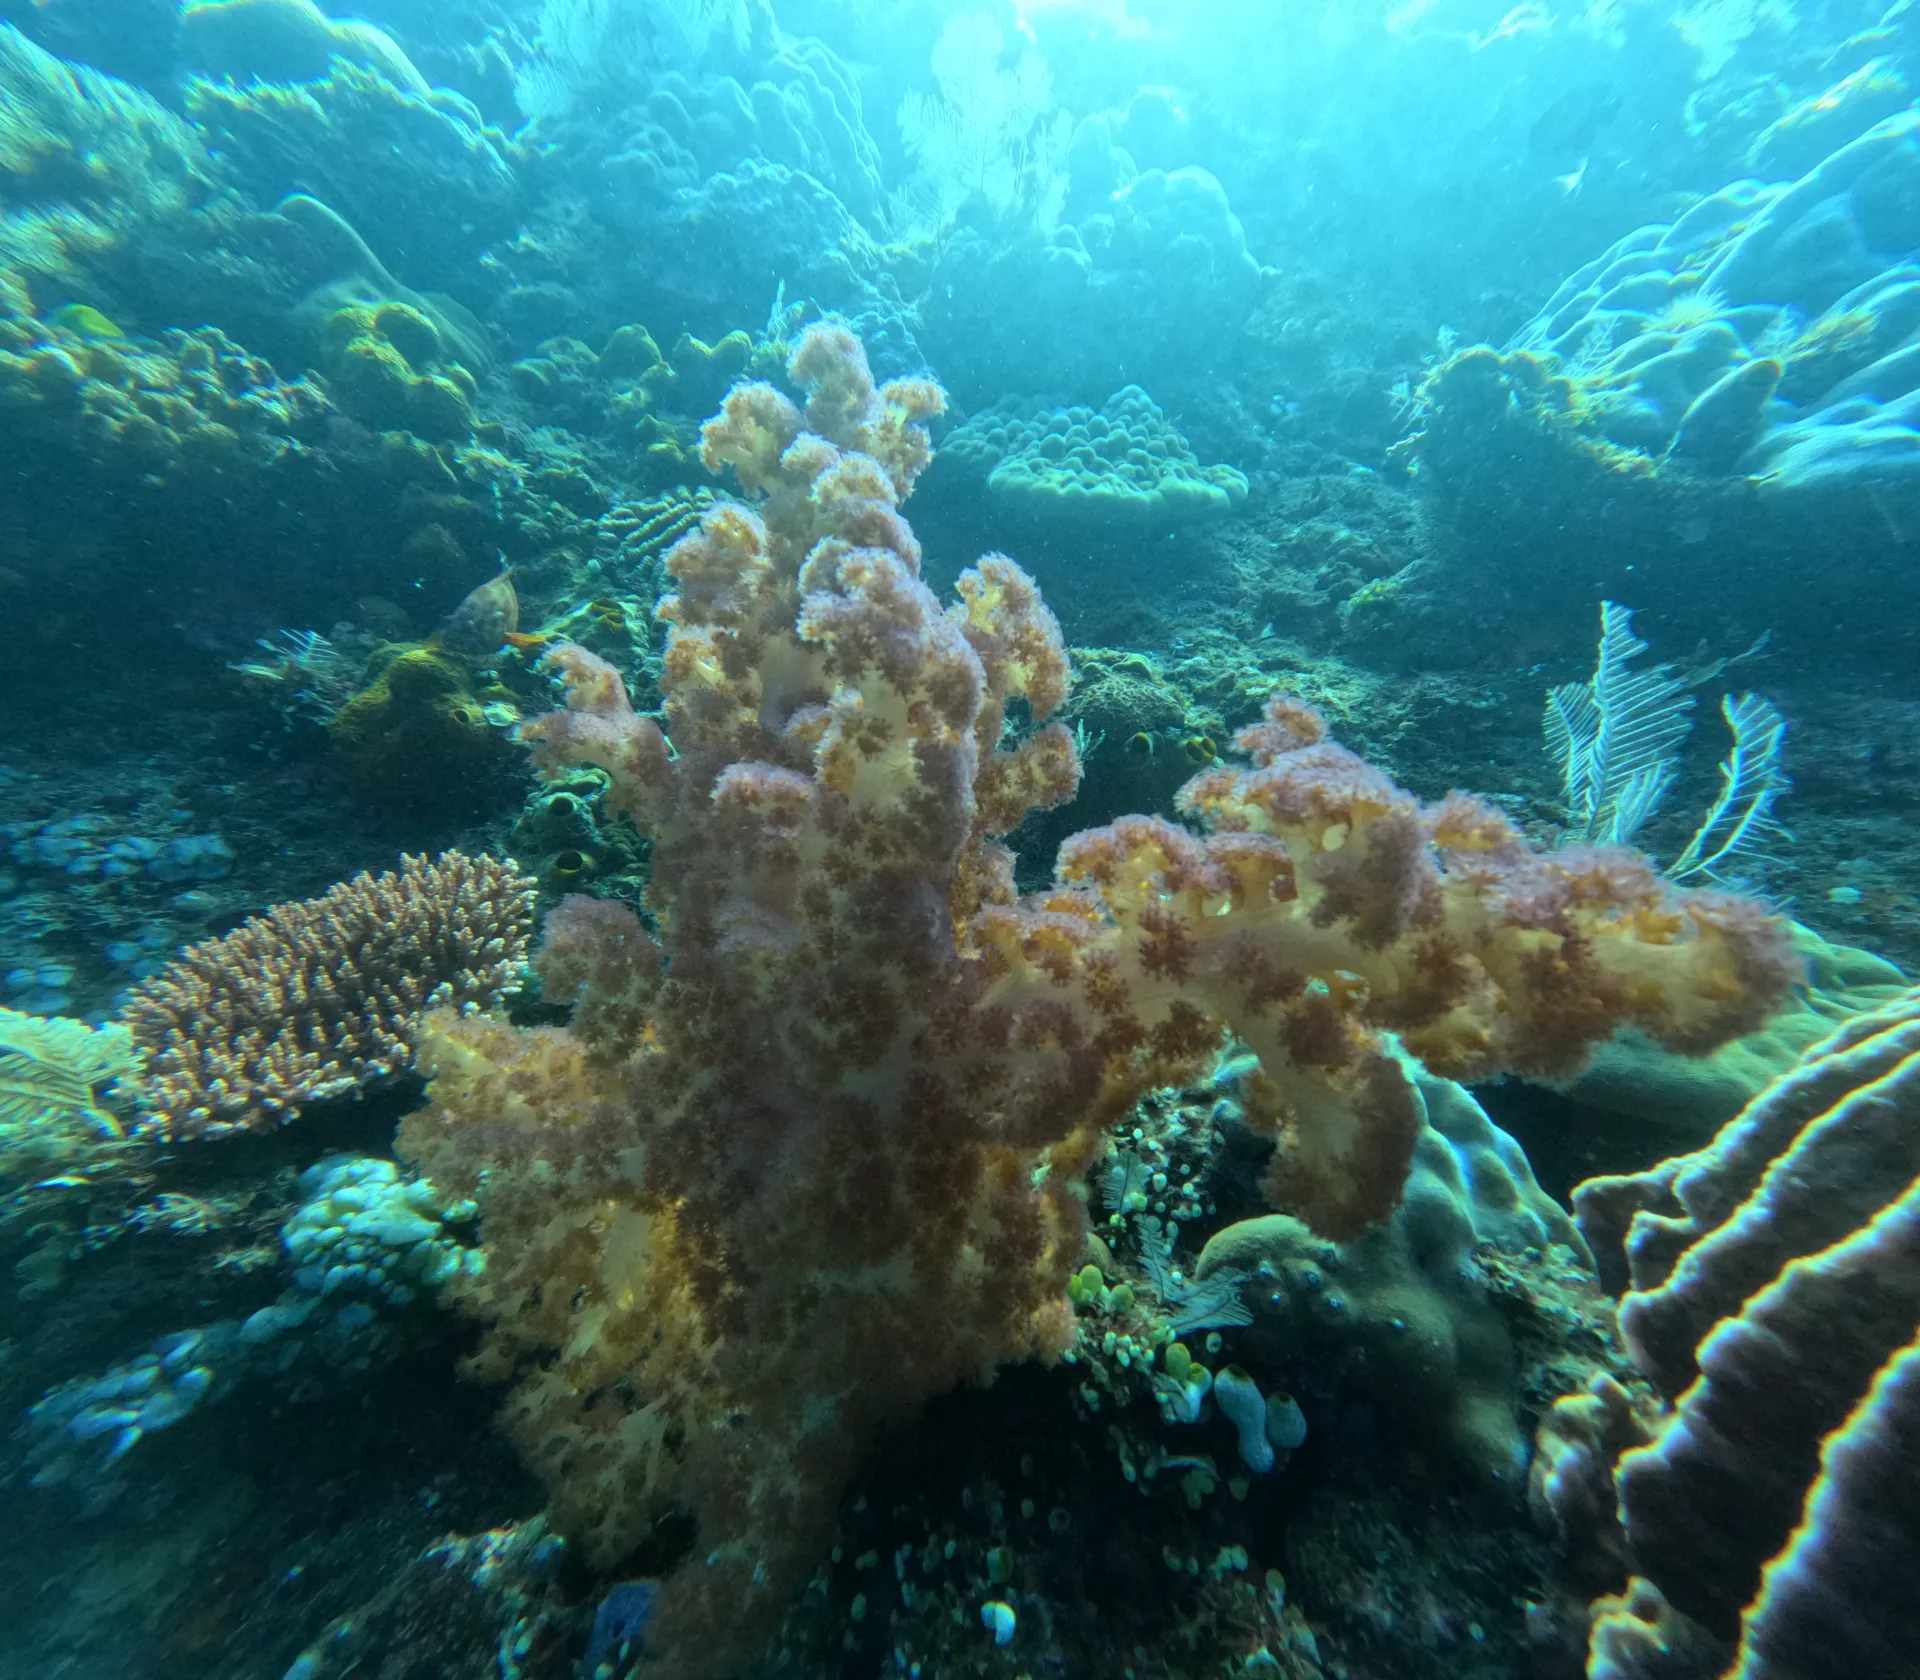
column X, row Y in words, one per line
column 1124, row 464
column 417, row 739
column 189, row 400
column 385, row 366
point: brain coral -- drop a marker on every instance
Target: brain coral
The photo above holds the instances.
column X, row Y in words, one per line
column 1122, row 464
column 1775, row 1303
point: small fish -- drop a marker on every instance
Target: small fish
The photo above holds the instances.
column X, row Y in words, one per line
column 1569, row 126
column 84, row 321
column 486, row 621
column 1570, row 182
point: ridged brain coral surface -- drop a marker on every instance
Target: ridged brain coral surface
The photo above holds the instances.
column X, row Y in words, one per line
column 1775, row 1300
column 846, row 1051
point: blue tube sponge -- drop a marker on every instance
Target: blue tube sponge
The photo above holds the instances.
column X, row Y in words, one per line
column 1245, row 1407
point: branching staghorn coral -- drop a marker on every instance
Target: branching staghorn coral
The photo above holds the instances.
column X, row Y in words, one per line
column 325, row 995
column 807, row 1155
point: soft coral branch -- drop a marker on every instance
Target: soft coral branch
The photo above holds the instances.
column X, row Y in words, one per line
column 828, row 1126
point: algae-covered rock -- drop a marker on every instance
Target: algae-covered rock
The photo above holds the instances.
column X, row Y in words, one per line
column 417, row 742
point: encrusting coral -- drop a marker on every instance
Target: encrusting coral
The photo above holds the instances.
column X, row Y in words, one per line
column 1775, row 1303
column 807, row 1156
column 323, row 996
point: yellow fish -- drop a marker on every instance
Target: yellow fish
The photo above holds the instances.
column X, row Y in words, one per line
column 84, row 320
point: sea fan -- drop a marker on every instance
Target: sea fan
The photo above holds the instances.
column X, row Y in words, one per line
column 52, row 1071
column 1614, row 736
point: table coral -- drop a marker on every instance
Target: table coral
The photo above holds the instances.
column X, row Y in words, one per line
column 1774, row 1304
column 806, row 1157
column 1123, row 464
column 322, row 996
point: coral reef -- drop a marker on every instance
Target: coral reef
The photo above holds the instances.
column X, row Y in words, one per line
column 416, row 740
column 416, row 172
column 83, row 160
column 802, row 112
column 1403, row 1315
column 1772, row 1303
column 361, row 1240
column 1144, row 285
column 323, row 996
column 386, row 367
column 653, row 1183
column 455, row 1608
column 1690, row 1097
column 288, row 41
column 190, row 404
column 1715, row 395
column 1684, row 336
column 1122, row 465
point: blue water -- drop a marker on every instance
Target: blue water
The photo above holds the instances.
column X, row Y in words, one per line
column 740, row 1211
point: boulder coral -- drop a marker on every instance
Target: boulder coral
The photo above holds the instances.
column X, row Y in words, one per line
column 416, row 739
column 1402, row 1316
column 1123, row 465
